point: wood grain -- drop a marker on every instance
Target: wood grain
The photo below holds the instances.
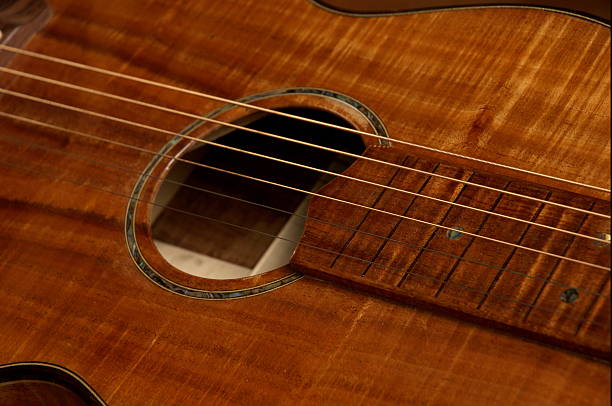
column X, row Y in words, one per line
column 524, row 88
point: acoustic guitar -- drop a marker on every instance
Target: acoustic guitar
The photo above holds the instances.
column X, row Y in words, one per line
column 304, row 202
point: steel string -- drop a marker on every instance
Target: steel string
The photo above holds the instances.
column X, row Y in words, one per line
column 288, row 115
column 235, row 126
column 340, row 175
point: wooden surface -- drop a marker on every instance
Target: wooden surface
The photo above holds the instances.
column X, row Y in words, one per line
column 520, row 87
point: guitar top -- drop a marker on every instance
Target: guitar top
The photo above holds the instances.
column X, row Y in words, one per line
column 283, row 202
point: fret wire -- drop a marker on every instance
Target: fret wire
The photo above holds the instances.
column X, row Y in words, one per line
column 397, row 224
column 367, row 214
column 235, row 126
column 588, row 311
column 271, row 111
column 511, row 255
column 430, row 238
column 82, row 184
column 451, row 272
column 551, row 273
column 401, row 242
column 329, row 197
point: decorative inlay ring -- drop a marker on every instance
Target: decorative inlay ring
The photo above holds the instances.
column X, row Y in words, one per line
column 132, row 236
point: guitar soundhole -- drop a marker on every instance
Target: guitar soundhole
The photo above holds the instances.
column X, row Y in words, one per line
column 219, row 225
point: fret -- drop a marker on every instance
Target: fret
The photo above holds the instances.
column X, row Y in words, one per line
column 450, row 273
column 493, row 254
column 360, row 244
column 422, row 250
column 340, row 219
column 538, row 267
column 395, row 256
column 383, row 242
column 512, row 253
column 436, row 265
column 379, row 196
column 597, row 315
column 585, row 278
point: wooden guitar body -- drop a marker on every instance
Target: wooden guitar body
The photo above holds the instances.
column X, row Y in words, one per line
column 526, row 88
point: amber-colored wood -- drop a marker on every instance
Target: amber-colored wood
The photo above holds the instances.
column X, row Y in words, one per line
column 525, row 88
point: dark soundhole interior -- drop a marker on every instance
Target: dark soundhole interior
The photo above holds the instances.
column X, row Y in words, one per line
column 234, row 237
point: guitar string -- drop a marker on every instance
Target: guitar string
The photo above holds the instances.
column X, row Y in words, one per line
column 377, row 210
column 304, row 217
column 288, row 115
column 267, row 134
column 259, row 155
column 460, row 286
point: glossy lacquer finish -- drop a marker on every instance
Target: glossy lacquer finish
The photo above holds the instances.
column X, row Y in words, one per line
column 525, row 88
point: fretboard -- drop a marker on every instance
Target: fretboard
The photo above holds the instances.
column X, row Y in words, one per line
column 510, row 255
